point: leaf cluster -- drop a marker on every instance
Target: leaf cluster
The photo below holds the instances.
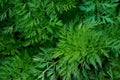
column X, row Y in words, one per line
column 59, row 39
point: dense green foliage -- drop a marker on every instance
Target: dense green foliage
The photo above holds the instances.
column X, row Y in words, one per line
column 59, row 40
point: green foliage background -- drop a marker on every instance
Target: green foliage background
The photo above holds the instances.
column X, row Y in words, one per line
column 59, row 40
